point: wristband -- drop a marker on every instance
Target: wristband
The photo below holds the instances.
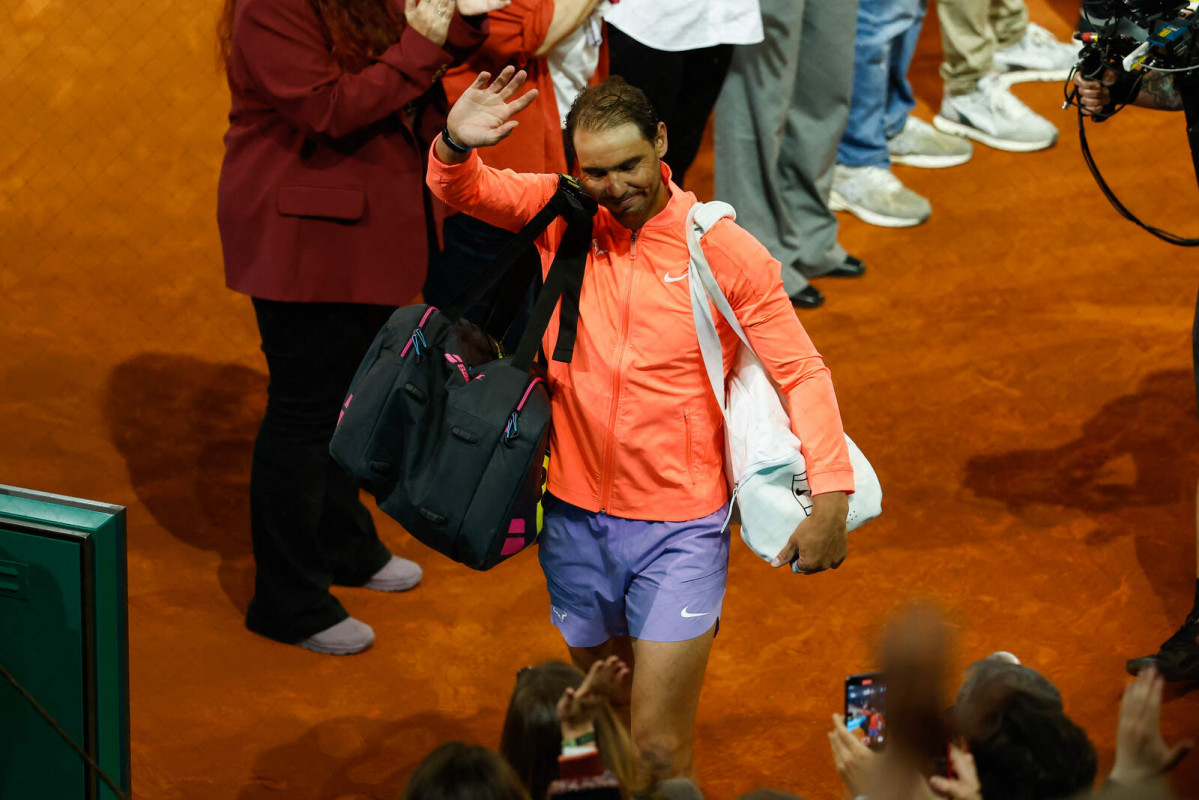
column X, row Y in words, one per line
column 449, row 142
column 585, row 738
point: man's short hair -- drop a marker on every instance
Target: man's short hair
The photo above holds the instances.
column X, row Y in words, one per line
column 611, row 104
column 1024, row 745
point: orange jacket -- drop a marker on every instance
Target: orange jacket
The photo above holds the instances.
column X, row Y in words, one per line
column 636, row 431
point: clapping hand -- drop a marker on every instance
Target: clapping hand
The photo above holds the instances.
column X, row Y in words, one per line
column 430, row 18
column 470, row 8
column 578, row 708
column 1141, row 752
column 484, row 114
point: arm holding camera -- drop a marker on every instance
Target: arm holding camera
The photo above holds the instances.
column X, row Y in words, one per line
column 1157, row 90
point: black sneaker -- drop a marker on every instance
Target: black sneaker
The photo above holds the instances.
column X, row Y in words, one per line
column 1178, row 658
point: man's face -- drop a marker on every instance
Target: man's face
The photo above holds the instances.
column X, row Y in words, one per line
column 622, row 170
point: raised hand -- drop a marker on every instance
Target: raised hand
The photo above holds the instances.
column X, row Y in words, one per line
column 1141, row 752
column 964, row 784
column 578, row 708
column 430, row 18
column 856, row 763
column 484, row 114
column 470, row 8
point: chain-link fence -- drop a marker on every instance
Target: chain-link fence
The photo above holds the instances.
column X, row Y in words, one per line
column 113, row 116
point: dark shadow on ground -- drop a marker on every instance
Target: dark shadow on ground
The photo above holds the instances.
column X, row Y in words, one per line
column 1139, row 450
column 353, row 758
column 186, row 429
column 1131, row 470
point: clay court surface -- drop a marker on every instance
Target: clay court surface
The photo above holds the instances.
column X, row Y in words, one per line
column 1018, row 370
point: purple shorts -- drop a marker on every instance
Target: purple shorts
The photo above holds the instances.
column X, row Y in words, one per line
column 607, row 576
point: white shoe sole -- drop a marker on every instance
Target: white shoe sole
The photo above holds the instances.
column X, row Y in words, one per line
column 838, row 203
column 1010, row 145
column 1009, row 77
column 392, row 586
column 335, row 651
column 931, row 162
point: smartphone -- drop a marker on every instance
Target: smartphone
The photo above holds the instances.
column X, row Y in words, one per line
column 866, row 708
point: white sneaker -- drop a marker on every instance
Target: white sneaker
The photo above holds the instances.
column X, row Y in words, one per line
column 346, row 638
column 1038, row 56
column 992, row 115
column 921, row 145
column 397, row 575
column 875, row 196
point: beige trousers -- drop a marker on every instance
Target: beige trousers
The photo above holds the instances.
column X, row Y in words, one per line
column 970, row 32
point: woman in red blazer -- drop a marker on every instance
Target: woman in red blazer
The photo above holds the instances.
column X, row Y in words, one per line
column 326, row 223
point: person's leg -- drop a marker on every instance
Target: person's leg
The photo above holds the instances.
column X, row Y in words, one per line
column 673, row 607
column 307, row 522
column 900, row 98
column 1009, row 21
column 1178, row 657
column 967, row 43
column 748, row 134
column 977, row 104
column 815, row 120
column 862, row 180
column 864, row 143
column 705, row 71
column 665, row 699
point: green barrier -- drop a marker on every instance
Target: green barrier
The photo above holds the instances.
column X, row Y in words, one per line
column 63, row 647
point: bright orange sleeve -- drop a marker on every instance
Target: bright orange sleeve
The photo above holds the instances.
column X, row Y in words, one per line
column 751, row 279
column 502, row 198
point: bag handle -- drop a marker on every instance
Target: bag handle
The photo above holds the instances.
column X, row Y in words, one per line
column 565, row 279
column 700, row 219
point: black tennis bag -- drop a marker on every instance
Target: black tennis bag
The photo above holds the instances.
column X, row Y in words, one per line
column 447, row 434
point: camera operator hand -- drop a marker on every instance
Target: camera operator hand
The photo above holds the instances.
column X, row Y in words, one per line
column 1094, row 96
column 1157, row 90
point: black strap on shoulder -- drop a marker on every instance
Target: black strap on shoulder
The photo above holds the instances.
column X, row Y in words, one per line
column 565, row 278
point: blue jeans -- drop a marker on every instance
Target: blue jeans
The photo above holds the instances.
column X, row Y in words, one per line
column 882, row 96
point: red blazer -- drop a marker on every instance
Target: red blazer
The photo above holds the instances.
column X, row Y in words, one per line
column 322, row 194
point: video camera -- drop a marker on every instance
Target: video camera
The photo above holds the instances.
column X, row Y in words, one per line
column 1133, row 37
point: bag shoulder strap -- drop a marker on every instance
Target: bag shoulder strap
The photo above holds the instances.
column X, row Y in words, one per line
column 565, row 278
column 704, row 287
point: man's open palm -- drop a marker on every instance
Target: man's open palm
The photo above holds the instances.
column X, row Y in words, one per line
column 484, row 114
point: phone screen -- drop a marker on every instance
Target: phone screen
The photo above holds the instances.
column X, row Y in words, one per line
column 866, row 708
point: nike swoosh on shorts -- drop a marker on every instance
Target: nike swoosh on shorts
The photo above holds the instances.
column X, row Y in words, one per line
column 689, row 616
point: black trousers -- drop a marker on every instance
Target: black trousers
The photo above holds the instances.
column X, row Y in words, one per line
column 470, row 247
column 309, row 527
column 682, row 87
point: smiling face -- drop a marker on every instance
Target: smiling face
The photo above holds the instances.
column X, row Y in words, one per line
column 622, row 170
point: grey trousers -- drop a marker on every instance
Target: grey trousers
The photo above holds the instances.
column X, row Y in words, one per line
column 779, row 119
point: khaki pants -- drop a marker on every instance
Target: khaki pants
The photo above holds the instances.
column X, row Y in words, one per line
column 970, row 32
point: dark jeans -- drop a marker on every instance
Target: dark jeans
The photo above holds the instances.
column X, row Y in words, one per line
column 470, row 246
column 682, row 87
column 310, row 529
